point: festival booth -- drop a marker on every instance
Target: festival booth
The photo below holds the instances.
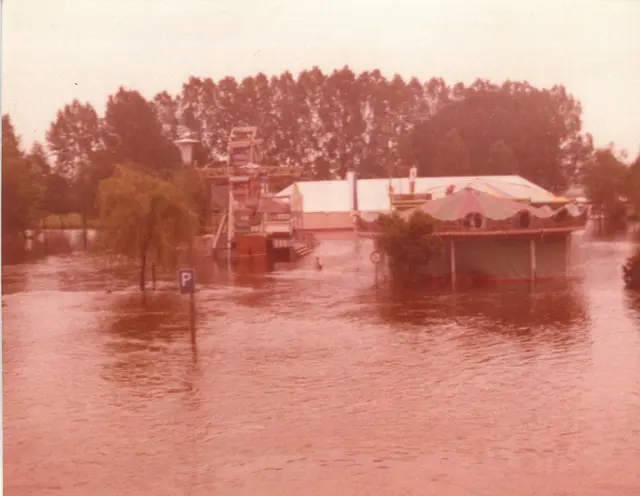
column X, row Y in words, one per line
column 494, row 239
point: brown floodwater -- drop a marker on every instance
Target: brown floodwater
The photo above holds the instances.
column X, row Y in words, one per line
column 315, row 383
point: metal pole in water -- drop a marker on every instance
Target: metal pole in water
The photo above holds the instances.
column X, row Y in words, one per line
column 192, row 317
column 190, row 287
column 229, row 225
column 532, row 260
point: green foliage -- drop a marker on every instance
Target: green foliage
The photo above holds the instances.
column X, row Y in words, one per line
column 409, row 244
column 502, row 160
column 22, row 184
column 631, row 271
column 381, row 125
column 606, row 182
column 73, row 136
column 143, row 217
column 131, row 132
column 75, row 139
column 512, row 128
column 452, row 158
column 196, row 192
column 58, row 194
column 86, row 149
column 324, row 122
column 604, row 178
column 633, row 184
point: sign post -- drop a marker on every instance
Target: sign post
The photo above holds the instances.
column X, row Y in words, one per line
column 187, row 285
column 187, row 279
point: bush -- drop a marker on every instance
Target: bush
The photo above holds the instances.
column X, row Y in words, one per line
column 409, row 244
column 631, row 271
column 616, row 217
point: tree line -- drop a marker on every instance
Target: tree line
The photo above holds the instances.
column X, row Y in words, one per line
column 324, row 123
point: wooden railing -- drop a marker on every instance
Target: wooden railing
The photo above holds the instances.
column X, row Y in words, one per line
column 412, row 197
column 514, row 225
column 269, row 170
column 409, row 200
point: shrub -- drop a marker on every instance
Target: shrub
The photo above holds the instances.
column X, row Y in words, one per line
column 409, row 244
column 631, row 271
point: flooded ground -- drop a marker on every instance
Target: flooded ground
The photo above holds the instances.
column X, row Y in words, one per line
column 306, row 382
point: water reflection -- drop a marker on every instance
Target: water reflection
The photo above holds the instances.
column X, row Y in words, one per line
column 552, row 315
column 633, row 304
column 145, row 333
column 33, row 246
column 513, row 308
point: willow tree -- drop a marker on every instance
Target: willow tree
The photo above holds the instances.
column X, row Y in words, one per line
column 143, row 218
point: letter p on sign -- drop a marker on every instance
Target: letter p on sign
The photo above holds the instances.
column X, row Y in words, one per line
column 187, row 278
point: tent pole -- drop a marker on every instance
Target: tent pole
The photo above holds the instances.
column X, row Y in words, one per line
column 532, row 259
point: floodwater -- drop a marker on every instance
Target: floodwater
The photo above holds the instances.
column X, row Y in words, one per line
column 315, row 383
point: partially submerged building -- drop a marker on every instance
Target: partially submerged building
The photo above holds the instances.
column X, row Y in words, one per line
column 495, row 228
column 330, row 206
column 493, row 239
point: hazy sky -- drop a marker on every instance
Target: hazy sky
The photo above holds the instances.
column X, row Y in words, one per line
column 56, row 51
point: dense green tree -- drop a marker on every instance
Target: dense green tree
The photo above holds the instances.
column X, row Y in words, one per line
column 38, row 160
column 502, row 160
column 633, row 184
column 143, row 217
column 75, row 139
column 22, row 184
column 73, row 136
column 605, row 178
column 327, row 123
column 58, row 194
column 40, row 171
column 452, row 156
column 384, row 126
column 606, row 183
column 132, row 132
column 166, row 109
column 542, row 128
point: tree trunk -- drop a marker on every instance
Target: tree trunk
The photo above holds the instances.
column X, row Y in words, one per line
column 143, row 266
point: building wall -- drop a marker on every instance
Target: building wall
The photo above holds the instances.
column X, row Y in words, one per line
column 503, row 258
column 373, row 194
column 323, row 221
column 329, row 221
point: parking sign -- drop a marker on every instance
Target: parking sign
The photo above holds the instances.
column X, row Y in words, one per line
column 187, row 281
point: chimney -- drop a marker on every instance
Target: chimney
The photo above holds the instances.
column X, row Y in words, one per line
column 413, row 173
column 185, row 145
column 352, row 183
